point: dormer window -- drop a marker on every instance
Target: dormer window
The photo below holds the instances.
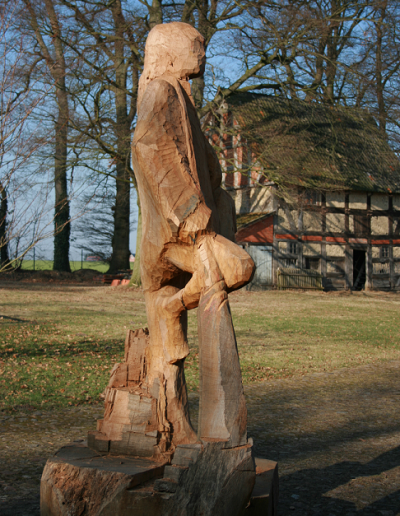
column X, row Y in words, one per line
column 311, row 197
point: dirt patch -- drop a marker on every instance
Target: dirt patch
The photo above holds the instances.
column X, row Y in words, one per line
column 335, row 435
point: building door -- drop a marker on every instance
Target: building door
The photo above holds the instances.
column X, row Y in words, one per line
column 262, row 257
column 359, row 269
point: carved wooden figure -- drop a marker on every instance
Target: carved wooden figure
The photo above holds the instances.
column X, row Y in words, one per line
column 189, row 259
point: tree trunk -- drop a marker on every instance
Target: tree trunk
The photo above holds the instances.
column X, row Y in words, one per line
column 136, row 277
column 155, row 13
column 62, row 228
column 378, row 71
column 198, row 91
column 332, row 54
column 4, row 258
column 120, row 241
column 58, row 70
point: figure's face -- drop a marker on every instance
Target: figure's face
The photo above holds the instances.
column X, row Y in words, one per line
column 195, row 60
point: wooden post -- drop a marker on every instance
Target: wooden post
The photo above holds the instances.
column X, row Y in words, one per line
column 368, row 267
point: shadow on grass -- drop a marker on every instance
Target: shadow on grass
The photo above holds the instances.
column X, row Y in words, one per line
column 15, row 319
column 311, row 499
column 274, row 440
column 29, row 506
column 318, row 422
column 317, row 483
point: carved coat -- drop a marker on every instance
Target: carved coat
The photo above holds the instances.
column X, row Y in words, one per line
column 179, row 178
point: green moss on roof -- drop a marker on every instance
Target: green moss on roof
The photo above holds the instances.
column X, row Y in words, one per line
column 248, row 218
column 314, row 145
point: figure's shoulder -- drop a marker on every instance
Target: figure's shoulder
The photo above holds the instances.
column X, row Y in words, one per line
column 158, row 96
column 158, row 88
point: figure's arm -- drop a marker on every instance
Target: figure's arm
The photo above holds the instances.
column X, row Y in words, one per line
column 160, row 150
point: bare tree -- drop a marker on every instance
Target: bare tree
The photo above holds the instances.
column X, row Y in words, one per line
column 111, row 47
column 45, row 26
column 22, row 220
column 378, row 89
column 94, row 231
column 104, row 97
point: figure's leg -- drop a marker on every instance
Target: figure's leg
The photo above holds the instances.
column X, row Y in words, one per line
column 218, row 266
column 166, row 376
column 223, row 413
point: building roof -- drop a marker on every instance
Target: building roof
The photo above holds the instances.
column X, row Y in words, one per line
column 258, row 229
column 314, row 145
column 245, row 219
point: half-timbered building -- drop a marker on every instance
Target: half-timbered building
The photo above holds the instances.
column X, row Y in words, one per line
column 316, row 189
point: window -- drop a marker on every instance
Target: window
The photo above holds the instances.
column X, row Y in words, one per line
column 292, row 247
column 290, row 262
column 361, row 225
column 384, row 252
column 381, row 268
column 312, row 264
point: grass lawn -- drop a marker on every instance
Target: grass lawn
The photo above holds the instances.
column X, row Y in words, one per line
column 58, row 343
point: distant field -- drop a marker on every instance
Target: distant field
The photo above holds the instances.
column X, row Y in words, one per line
column 47, row 265
column 58, row 344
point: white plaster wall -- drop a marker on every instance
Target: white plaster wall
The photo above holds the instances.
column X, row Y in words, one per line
column 379, row 202
column 375, row 252
column 311, row 249
column 257, row 199
column 379, row 226
column 335, row 199
column 335, row 250
column 282, row 246
column 262, row 199
column 396, row 226
column 396, row 202
column 241, row 200
column 351, row 223
column 335, row 222
column 358, row 201
column 312, row 221
column 287, row 220
column 335, row 267
column 396, row 252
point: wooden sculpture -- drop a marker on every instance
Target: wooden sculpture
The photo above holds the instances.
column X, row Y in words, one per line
column 145, row 457
column 189, row 259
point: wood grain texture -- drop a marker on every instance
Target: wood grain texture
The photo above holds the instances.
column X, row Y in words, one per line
column 223, row 414
column 203, row 479
column 188, row 259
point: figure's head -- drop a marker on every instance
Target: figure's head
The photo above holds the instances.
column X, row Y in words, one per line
column 175, row 48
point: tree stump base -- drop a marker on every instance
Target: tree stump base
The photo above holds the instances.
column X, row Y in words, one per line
column 203, row 478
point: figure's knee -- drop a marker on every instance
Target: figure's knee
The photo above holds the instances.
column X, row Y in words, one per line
column 234, row 263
